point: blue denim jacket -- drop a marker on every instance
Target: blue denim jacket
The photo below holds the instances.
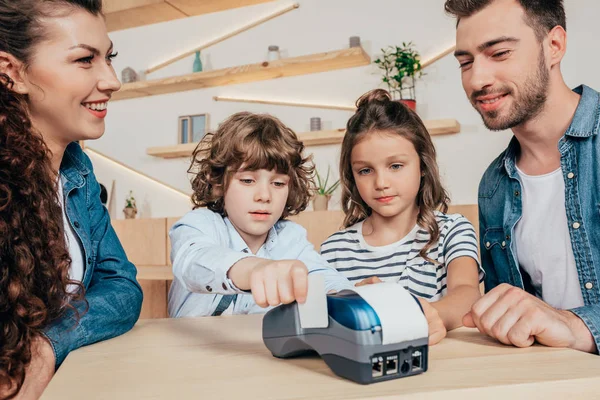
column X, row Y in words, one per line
column 500, row 209
column 112, row 292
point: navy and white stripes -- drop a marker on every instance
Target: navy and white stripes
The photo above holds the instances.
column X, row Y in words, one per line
column 350, row 254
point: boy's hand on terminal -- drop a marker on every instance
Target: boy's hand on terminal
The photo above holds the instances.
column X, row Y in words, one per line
column 274, row 282
column 437, row 329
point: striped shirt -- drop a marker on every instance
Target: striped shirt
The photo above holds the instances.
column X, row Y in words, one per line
column 348, row 252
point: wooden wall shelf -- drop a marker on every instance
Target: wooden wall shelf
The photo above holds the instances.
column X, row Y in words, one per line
column 124, row 14
column 310, row 64
column 435, row 127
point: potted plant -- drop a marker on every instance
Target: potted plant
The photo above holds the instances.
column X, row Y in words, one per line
column 323, row 192
column 130, row 209
column 400, row 66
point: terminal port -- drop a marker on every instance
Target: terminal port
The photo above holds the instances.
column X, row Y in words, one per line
column 391, row 365
column 417, row 361
column 377, row 366
column 405, row 367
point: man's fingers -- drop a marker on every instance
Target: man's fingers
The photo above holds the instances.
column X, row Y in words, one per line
column 504, row 324
column 486, row 312
column 468, row 320
column 520, row 333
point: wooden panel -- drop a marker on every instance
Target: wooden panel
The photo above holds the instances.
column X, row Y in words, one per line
column 318, row 138
column 319, row 224
column 155, row 299
column 175, row 151
column 144, row 240
column 155, row 272
column 196, row 7
column 146, row 15
column 303, row 65
column 170, row 223
column 469, row 211
column 123, row 14
column 113, row 6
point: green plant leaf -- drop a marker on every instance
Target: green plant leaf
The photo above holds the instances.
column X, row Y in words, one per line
column 333, row 187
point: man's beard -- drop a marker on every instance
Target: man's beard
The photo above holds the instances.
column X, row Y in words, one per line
column 531, row 102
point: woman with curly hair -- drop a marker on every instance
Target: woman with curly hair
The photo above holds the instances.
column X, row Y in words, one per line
column 65, row 280
column 250, row 175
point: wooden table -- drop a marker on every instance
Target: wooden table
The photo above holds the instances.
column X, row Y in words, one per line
column 224, row 358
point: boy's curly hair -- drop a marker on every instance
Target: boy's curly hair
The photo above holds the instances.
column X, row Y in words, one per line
column 256, row 141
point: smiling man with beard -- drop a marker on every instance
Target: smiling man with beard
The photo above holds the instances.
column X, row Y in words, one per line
column 539, row 200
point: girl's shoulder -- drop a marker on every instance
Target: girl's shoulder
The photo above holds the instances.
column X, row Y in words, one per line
column 447, row 221
column 350, row 233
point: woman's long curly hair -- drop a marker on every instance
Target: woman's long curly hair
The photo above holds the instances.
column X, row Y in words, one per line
column 377, row 112
column 34, row 260
column 256, row 141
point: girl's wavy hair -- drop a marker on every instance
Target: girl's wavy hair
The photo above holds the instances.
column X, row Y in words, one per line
column 254, row 141
column 377, row 112
column 34, row 261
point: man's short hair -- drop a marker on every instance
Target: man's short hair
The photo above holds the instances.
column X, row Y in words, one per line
column 541, row 15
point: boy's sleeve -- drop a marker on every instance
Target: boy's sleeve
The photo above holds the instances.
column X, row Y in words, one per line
column 200, row 254
column 316, row 264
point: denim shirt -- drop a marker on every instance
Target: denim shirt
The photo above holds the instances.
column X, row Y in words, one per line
column 204, row 247
column 113, row 295
column 500, row 209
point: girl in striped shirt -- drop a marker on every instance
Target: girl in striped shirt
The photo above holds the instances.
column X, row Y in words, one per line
column 394, row 230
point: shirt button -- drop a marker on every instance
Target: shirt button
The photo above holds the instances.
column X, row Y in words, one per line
column 507, row 237
column 570, row 175
column 576, row 225
column 209, row 288
column 589, row 285
column 517, row 193
column 488, row 244
column 89, row 260
column 503, row 244
column 224, row 286
column 76, row 224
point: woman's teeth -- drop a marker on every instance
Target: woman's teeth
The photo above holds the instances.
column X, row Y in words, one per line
column 97, row 106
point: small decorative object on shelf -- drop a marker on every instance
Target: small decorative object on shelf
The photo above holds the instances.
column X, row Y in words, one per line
column 273, row 53
column 315, row 124
column 354, row 41
column 197, row 63
column 130, row 209
column 128, row 75
column 192, row 128
column 324, row 192
column 400, row 66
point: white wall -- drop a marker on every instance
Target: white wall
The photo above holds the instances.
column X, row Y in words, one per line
column 317, row 26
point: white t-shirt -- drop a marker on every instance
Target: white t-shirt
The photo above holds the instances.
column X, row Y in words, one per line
column 75, row 250
column 400, row 262
column 542, row 240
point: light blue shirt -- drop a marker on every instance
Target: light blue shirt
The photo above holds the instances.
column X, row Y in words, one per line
column 205, row 246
